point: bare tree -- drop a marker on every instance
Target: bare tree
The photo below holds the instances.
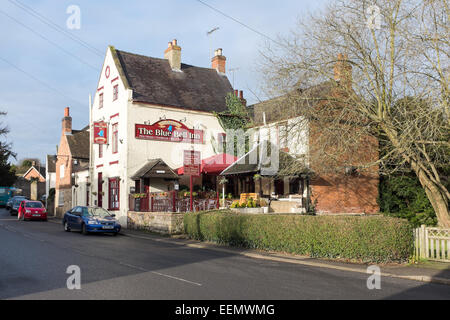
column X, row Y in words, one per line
column 362, row 72
column 7, row 176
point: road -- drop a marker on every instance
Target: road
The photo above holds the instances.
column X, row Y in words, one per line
column 34, row 257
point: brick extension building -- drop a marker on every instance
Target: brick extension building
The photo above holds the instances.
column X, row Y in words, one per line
column 72, row 158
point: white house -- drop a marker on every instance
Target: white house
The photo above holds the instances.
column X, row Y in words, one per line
column 154, row 109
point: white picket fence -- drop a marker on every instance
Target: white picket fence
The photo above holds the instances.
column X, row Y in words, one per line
column 432, row 243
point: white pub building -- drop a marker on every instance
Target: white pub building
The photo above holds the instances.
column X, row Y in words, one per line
column 146, row 112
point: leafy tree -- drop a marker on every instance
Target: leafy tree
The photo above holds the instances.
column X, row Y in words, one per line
column 235, row 118
column 402, row 196
column 7, row 174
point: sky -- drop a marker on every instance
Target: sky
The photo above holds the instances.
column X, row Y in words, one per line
column 44, row 67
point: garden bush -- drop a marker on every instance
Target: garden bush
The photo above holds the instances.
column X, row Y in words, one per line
column 375, row 239
column 403, row 197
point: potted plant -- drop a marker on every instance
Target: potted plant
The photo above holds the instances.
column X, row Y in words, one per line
column 257, row 177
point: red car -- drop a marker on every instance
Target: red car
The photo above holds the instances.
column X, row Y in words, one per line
column 32, row 210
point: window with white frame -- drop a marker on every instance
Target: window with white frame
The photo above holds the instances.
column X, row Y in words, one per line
column 115, row 138
column 115, row 92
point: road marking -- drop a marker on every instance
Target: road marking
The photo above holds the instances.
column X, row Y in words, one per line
column 176, row 278
column 160, row 274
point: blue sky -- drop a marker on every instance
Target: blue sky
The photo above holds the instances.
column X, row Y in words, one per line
column 35, row 102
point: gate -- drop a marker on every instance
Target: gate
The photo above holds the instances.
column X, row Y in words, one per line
column 432, row 243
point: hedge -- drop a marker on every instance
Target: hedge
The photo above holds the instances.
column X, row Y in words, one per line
column 368, row 239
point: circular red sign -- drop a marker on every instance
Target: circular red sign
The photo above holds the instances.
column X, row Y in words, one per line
column 107, row 72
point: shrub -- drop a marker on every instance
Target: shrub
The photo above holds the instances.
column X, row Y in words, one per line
column 374, row 239
column 235, row 204
column 404, row 197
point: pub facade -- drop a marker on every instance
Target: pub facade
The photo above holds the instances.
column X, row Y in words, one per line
column 145, row 114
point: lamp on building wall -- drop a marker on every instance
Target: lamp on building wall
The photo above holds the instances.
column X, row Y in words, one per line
column 163, row 117
column 183, row 120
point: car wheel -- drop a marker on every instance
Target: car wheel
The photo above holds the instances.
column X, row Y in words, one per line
column 83, row 229
column 66, row 226
column 115, row 234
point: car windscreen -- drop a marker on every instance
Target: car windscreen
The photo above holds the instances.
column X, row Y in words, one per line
column 96, row 212
column 33, row 205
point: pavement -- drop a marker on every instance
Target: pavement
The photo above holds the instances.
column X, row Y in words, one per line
column 35, row 258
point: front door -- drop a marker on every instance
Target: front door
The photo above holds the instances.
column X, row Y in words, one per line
column 100, row 190
column 279, row 187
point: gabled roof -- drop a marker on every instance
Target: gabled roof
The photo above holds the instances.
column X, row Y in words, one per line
column 153, row 81
column 79, row 144
column 251, row 163
column 289, row 105
column 39, row 170
column 155, row 168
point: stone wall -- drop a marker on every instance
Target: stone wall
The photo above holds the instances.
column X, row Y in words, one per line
column 160, row 222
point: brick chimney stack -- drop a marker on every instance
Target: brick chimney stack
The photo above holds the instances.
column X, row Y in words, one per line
column 173, row 54
column 241, row 97
column 67, row 122
column 219, row 61
column 343, row 70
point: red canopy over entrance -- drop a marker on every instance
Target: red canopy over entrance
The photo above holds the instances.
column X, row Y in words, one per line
column 215, row 164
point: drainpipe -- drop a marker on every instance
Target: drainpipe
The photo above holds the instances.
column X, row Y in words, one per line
column 91, row 145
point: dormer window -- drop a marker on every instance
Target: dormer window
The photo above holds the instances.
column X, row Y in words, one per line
column 115, row 92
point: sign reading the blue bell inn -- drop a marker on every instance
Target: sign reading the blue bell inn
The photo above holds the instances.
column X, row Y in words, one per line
column 168, row 130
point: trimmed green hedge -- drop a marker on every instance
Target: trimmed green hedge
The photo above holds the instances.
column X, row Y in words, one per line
column 366, row 239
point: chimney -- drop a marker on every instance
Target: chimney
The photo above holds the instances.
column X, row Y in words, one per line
column 241, row 97
column 219, row 61
column 173, row 54
column 67, row 122
column 343, row 70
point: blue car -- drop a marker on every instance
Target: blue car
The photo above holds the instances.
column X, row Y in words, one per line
column 90, row 219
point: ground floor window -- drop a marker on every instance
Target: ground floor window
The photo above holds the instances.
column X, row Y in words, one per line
column 114, row 192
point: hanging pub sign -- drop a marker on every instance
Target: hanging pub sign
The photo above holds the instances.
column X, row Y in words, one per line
column 168, row 130
column 100, row 132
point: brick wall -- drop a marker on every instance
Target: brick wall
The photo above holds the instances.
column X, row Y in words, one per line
column 332, row 189
column 63, row 185
column 345, row 194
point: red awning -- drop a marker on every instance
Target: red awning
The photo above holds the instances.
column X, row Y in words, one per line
column 215, row 164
